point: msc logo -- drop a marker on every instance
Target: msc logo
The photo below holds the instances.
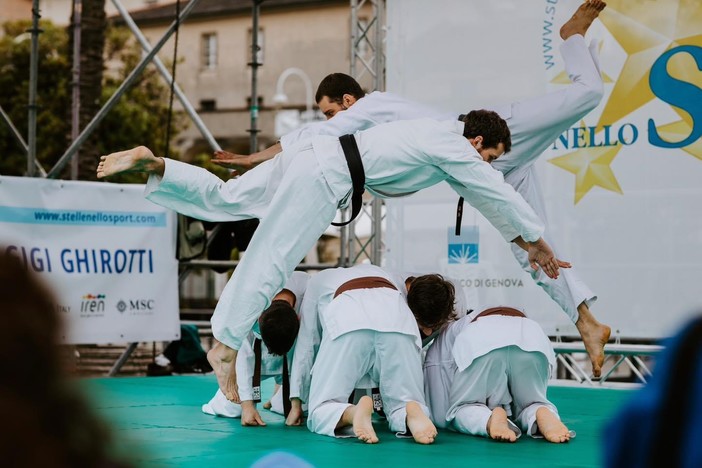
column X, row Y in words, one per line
column 139, row 305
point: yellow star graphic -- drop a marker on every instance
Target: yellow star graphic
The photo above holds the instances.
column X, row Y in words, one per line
column 645, row 29
column 591, row 168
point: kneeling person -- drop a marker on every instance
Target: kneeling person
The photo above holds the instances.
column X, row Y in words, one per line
column 365, row 327
column 486, row 375
column 265, row 355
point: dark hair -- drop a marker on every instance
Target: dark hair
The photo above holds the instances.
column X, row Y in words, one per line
column 334, row 87
column 279, row 326
column 52, row 424
column 490, row 126
column 431, row 299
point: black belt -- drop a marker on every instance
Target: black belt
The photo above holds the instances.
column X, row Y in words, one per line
column 459, row 209
column 256, row 380
column 358, row 176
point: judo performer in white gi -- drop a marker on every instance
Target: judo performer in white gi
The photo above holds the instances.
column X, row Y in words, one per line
column 297, row 194
column 534, row 124
column 356, row 322
column 486, row 375
column 277, row 328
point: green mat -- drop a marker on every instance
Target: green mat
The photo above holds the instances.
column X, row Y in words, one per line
column 158, row 420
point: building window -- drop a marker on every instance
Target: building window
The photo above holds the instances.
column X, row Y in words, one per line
column 209, row 51
column 259, row 55
column 208, row 105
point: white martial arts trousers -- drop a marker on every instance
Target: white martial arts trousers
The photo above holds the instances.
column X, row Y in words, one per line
column 299, row 212
column 392, row 359
column 508, row 377
column 535, row 123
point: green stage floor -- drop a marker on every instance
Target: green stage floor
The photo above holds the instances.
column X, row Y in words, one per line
column 158, row 420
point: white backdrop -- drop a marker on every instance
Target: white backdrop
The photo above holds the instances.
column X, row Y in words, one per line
column 621, row 207
column 108, row 254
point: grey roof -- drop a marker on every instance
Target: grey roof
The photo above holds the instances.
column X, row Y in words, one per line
column 218, row 8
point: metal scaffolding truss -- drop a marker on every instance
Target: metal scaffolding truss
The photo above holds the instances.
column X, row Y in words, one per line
column 367, row 63
column 633, row 360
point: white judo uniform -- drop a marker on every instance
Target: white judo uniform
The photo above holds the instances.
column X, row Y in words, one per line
column 297, row 195
column 361, row 333
column 271, row 364
column 534, row 123
column 475, row 366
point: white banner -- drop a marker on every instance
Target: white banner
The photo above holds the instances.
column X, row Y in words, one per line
column 107, row 253
column 622, row 188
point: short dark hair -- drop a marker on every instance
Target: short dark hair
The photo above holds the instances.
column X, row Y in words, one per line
column 279, row 326
column 431, row 299
column 490, row 126
column 334, row 87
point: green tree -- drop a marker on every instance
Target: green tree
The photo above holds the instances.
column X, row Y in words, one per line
column 139, row 117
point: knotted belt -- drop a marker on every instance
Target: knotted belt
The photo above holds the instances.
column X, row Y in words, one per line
column 358, row 175
column 364, row 282
column 256, row 379
column 367, row 282
column 506, row 311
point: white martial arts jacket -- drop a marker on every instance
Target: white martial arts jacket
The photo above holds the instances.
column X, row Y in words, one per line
column 371, row 110
column 318, row 317
column 271, row 365
column 400, row 158
column 463, row 341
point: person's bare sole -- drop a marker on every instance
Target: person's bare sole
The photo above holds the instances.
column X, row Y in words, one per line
column 498, row 428
column 362, row 424
column 595, row 337
column 423, row 430
column 139, row 159
column 551, row 427
column 222, row 358
column 582, row 18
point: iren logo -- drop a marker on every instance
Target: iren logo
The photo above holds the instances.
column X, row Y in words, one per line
column 91, row 303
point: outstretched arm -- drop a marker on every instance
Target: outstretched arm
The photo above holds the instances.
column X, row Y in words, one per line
column 540, row 253
column 242, row 163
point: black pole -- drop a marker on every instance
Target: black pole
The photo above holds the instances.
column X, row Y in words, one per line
column 254, row 64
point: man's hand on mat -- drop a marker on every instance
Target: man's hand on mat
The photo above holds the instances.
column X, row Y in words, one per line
column 250, row 415
column 295, row 416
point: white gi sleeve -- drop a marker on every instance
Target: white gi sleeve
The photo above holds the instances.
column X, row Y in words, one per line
column 307, row 345
column 344, row 122
column 245, row 370
column 485, row 189
column 297, row 284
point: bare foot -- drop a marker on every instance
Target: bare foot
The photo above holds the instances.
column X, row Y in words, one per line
column 222, row 358
column 421, row 427
column 362, row 424
column 551, row 427
column 497, row 426
column 582, row 19
column 595, row 336
column 139, row 159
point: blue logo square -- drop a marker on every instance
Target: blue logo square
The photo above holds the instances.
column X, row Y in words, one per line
column 463, row 249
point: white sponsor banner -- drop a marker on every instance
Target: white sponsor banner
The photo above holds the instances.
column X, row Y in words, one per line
column 622, row 187
column 107, row 253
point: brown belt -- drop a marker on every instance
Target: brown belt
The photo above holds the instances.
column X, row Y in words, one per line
column 365, row 282
column 506, row 311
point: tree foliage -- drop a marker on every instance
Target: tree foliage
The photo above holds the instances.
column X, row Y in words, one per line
column 138, row 118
